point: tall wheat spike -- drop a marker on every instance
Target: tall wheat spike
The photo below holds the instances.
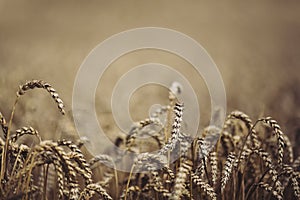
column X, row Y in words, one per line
column 209, row 191
column 178, row 111
column 213, row 160
column 227, row 171
column 279, row 134
column 181, row 177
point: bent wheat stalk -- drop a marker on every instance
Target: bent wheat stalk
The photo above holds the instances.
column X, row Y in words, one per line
column 29, row 85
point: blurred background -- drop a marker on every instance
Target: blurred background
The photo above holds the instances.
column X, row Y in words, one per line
column 255, row 45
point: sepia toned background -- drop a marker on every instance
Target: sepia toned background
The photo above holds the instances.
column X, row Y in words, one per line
column 255, row 46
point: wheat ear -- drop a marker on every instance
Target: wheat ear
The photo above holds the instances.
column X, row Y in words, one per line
column 92, row 188
column 204, row 186
column 181, row 177
column 248, row 122
column 279, row 134
column 178, row 110
column 25, row 131
column 213, row 160
column 265, row 156
column 227, row 171
column 30, row 85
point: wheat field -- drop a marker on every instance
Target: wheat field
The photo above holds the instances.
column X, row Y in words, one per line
column 252, row 160
column 255, row 46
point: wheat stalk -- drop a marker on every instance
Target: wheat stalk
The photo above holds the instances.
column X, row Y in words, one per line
column 29, row 85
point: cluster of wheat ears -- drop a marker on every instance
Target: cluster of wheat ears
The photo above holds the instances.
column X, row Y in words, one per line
column 249, row 161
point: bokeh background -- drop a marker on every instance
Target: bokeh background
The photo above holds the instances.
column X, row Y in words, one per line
column 255, row 44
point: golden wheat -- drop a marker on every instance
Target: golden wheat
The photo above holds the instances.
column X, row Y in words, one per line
column 243, row 165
